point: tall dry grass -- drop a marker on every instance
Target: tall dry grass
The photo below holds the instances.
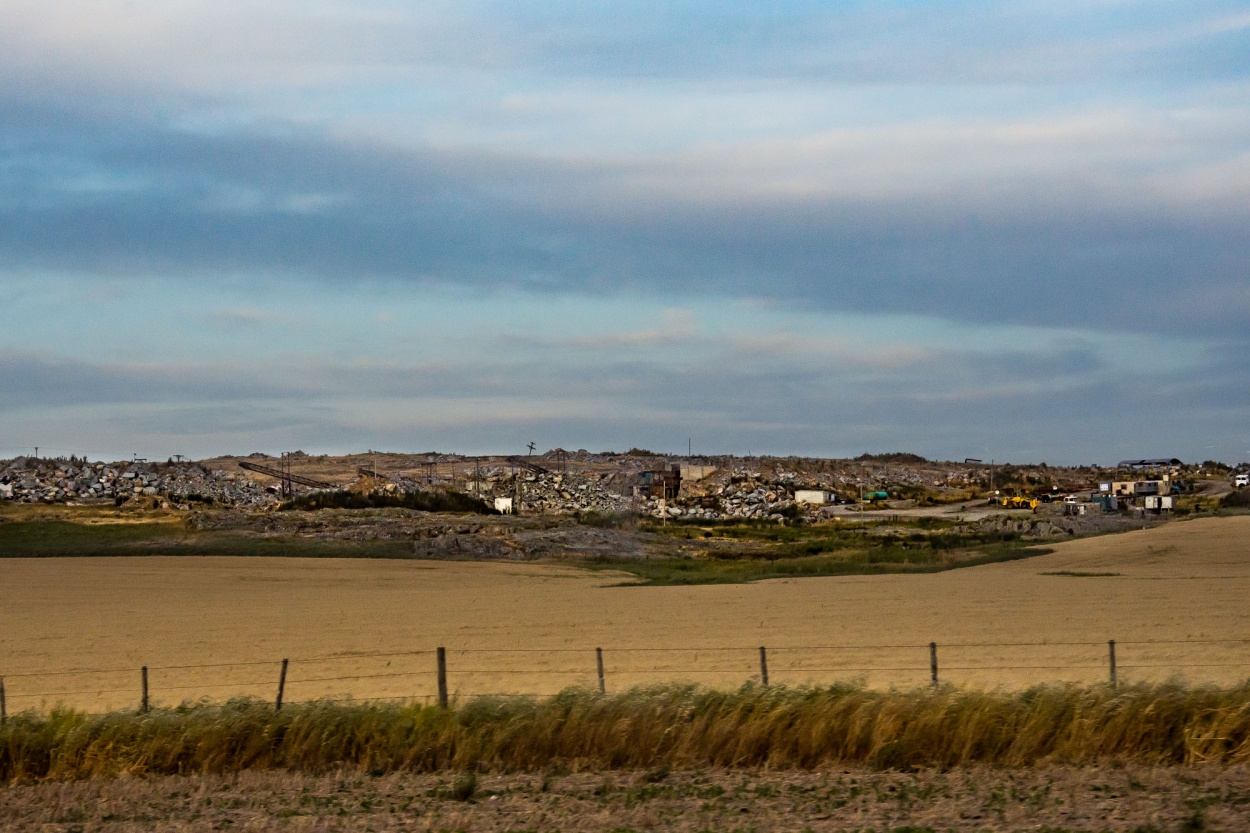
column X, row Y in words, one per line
column 675, row 726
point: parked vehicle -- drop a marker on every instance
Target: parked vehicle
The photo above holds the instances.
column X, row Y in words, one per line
column 1016, row 502
column 1241, row 480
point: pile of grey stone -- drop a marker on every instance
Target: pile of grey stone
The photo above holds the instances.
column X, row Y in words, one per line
column 42, row 480
column 562, row 492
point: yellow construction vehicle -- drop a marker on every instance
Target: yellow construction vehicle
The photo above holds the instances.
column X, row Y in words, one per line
column 1016, row 502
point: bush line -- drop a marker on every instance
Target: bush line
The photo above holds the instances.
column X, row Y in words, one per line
column 670, row 726
column 432, row 501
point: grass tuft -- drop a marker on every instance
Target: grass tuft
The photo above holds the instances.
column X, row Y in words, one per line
column 655, row 729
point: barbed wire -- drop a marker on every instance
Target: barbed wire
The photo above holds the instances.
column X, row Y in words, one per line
column 674, row 670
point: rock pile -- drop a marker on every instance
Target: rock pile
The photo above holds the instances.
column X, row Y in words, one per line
column 558, row 493
column 1055, row 526
column 30, row 480
column 713, row 488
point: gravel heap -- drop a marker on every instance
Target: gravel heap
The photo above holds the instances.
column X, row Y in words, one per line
column 31, row 480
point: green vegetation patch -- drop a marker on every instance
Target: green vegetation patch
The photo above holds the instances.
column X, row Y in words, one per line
column 1236, row 499
column 53, row 538
column 738, row 570
column 654, row 729
column 735, row 552
column 421, row 501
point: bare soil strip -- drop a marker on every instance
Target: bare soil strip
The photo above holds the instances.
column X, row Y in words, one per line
column 1113, row 799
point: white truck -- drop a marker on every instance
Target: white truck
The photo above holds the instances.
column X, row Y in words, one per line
column 1241, row 480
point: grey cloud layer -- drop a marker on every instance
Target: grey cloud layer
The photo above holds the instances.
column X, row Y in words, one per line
column 1081, row 166
column 123, row 198
column 1022, row 403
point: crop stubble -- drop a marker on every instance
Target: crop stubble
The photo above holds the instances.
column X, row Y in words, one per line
column 1057, row 799
column 1180, row 581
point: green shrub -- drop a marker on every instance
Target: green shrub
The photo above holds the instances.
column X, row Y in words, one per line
column 422, row 501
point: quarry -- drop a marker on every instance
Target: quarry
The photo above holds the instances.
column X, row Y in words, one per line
column 637, row 504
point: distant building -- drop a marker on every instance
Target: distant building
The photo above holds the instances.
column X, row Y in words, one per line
column 1160, row 503
column 661, row 483
column 1141, row 487
column 815, row 497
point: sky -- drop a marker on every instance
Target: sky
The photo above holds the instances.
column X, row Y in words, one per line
column 1016, row 231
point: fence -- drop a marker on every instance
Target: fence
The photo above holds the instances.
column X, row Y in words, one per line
column 438, row 675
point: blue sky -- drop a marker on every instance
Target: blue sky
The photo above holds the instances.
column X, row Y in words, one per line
column 1004, row 230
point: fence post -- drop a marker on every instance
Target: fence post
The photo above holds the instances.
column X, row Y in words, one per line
column 599, row 662
column 933, row 677
column 442, row 676
column 1111, row 656
column 144, row 707
column 281, row 686
column 763, row 666
column 4, row 709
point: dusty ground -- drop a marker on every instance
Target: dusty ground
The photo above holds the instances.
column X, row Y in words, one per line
column 77, row 630
column 1134, row 798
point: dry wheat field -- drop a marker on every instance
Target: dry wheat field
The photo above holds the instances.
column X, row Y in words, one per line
column 76, row 631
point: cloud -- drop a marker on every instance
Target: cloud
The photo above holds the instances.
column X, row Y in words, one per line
column 1073, row 166
column 39, row 379
column 997, row 243
column 242, row 318
column 1047, row 396
column 202, row 48
column 676, row 327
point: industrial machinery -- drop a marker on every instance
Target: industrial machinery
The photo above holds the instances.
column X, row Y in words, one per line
column 286, row 478
column 1016, row 502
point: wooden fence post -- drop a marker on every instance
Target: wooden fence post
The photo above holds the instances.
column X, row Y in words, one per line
column 281, row 686
column 442, row 677
column 763, row 666
column 1111, row 656
column 599, row 662
column 933, row 663
column 144, row 707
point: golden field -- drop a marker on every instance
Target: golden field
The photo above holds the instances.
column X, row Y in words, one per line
column 76, row 631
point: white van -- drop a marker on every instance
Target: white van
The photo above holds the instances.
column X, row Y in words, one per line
column 1241, row 480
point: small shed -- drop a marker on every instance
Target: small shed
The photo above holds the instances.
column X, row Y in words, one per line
column 661, row 483
column 815, row 497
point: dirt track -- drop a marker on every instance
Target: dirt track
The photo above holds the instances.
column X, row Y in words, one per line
column 1182, row 581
